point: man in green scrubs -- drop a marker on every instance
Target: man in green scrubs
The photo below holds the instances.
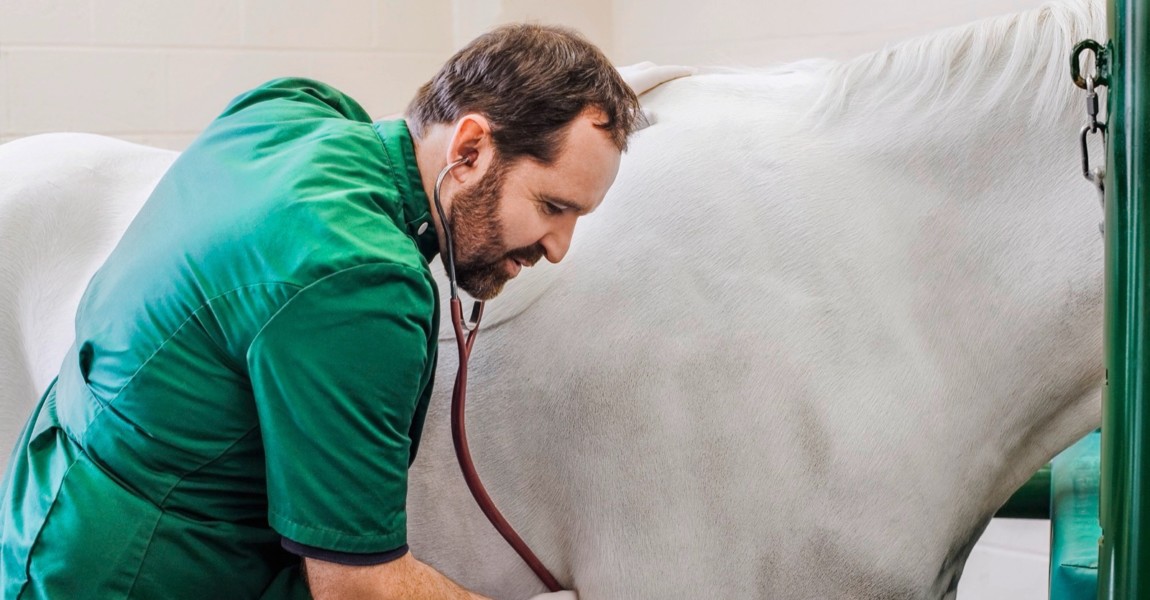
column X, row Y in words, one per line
column 253, row 363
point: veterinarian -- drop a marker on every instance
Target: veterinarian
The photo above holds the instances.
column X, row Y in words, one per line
column 254, row 361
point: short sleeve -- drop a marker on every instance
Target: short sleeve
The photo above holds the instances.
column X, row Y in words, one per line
column 337, row 374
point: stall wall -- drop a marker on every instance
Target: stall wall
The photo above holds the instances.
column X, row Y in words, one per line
column 755, row 33
column 157, row 72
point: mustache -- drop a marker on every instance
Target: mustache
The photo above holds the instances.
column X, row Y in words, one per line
column 528, row 256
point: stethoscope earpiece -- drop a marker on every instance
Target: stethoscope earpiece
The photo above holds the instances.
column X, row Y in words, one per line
column 450, row 258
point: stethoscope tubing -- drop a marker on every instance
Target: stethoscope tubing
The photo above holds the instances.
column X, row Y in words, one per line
column 465, row 341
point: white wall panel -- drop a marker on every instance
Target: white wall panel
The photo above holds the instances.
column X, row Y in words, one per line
column 45, row 22
column 159, row 71
column 382, row 84
column 5, row 94
column 406, row 26
column 593, row 18
column 103, row 91
column 330, row 24
column 750, row 32
column 201, row 83
column 150, row 23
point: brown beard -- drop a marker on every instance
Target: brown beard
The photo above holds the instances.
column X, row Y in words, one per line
column 477, row 232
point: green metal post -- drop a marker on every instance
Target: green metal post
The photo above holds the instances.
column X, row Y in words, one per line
column 1124, row 557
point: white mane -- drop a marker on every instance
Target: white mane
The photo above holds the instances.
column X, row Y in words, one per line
column 971, row 67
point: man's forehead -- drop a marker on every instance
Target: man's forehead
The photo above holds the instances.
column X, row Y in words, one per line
column 580, row 174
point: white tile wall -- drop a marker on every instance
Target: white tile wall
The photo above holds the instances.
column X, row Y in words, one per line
column 201, row 83
column 764, row 51
column 309, row 24
column 383, row 84
column 98, row 90
column 406, row 26
column 209, row 23
column 5, row 93
column 593, row 18
column 158, row 72
column 473, row 18
column 164, row 68
column 753, row 32
column 45, row 22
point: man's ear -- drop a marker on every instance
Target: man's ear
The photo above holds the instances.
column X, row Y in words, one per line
column 471, row 140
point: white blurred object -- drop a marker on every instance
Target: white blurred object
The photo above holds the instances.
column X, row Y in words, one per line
column 564, row 595
column 645, row 76
column 1010, row 562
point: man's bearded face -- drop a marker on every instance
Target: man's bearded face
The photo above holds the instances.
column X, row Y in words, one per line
column 481, row 266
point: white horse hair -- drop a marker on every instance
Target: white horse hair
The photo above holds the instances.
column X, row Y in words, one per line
column 1021, row 58
column 65, row 199
column 829, row 318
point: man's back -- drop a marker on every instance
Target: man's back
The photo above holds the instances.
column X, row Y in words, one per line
column 149, row 461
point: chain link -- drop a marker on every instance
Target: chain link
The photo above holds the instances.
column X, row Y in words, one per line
column 1095, row 175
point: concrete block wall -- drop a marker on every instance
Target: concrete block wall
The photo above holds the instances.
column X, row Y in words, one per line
column 756, row 33
column 592, row 18
column 157, row 72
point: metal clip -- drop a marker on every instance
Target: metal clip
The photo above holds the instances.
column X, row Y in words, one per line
column 1096, row 175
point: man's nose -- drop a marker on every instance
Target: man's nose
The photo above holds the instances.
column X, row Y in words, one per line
column 558, row 240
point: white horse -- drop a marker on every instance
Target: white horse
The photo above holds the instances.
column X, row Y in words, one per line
column 829, row 318
column 65, row 199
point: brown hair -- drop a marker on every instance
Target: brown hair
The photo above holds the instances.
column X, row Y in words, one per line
column 529, row 81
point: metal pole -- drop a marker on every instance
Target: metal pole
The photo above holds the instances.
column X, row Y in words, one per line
column 1124, row 556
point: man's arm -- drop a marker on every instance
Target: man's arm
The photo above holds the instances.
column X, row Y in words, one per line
column 404, row 578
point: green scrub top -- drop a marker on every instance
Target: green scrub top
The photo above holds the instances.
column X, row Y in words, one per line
column 252, row 364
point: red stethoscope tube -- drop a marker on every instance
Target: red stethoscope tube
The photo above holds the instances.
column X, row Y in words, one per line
column 459, row 436
column 459, row 399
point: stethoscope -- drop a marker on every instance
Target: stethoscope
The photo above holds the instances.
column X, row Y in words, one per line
column 465, row 338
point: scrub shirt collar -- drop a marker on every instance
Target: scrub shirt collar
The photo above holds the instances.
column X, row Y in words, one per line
column 415, row 204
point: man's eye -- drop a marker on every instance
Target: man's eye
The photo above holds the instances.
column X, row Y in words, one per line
column 552, row 209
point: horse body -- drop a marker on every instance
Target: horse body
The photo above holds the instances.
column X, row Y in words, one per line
column 809, row 344
column 827, row 320
column 65, row 199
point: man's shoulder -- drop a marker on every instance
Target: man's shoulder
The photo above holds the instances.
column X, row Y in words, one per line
column 298, row 96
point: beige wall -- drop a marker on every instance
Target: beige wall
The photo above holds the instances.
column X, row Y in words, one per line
column 594, row 18
column 757, row 32
column 156, row 71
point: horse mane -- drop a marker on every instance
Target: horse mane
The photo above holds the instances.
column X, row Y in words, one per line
column 1010, row 59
